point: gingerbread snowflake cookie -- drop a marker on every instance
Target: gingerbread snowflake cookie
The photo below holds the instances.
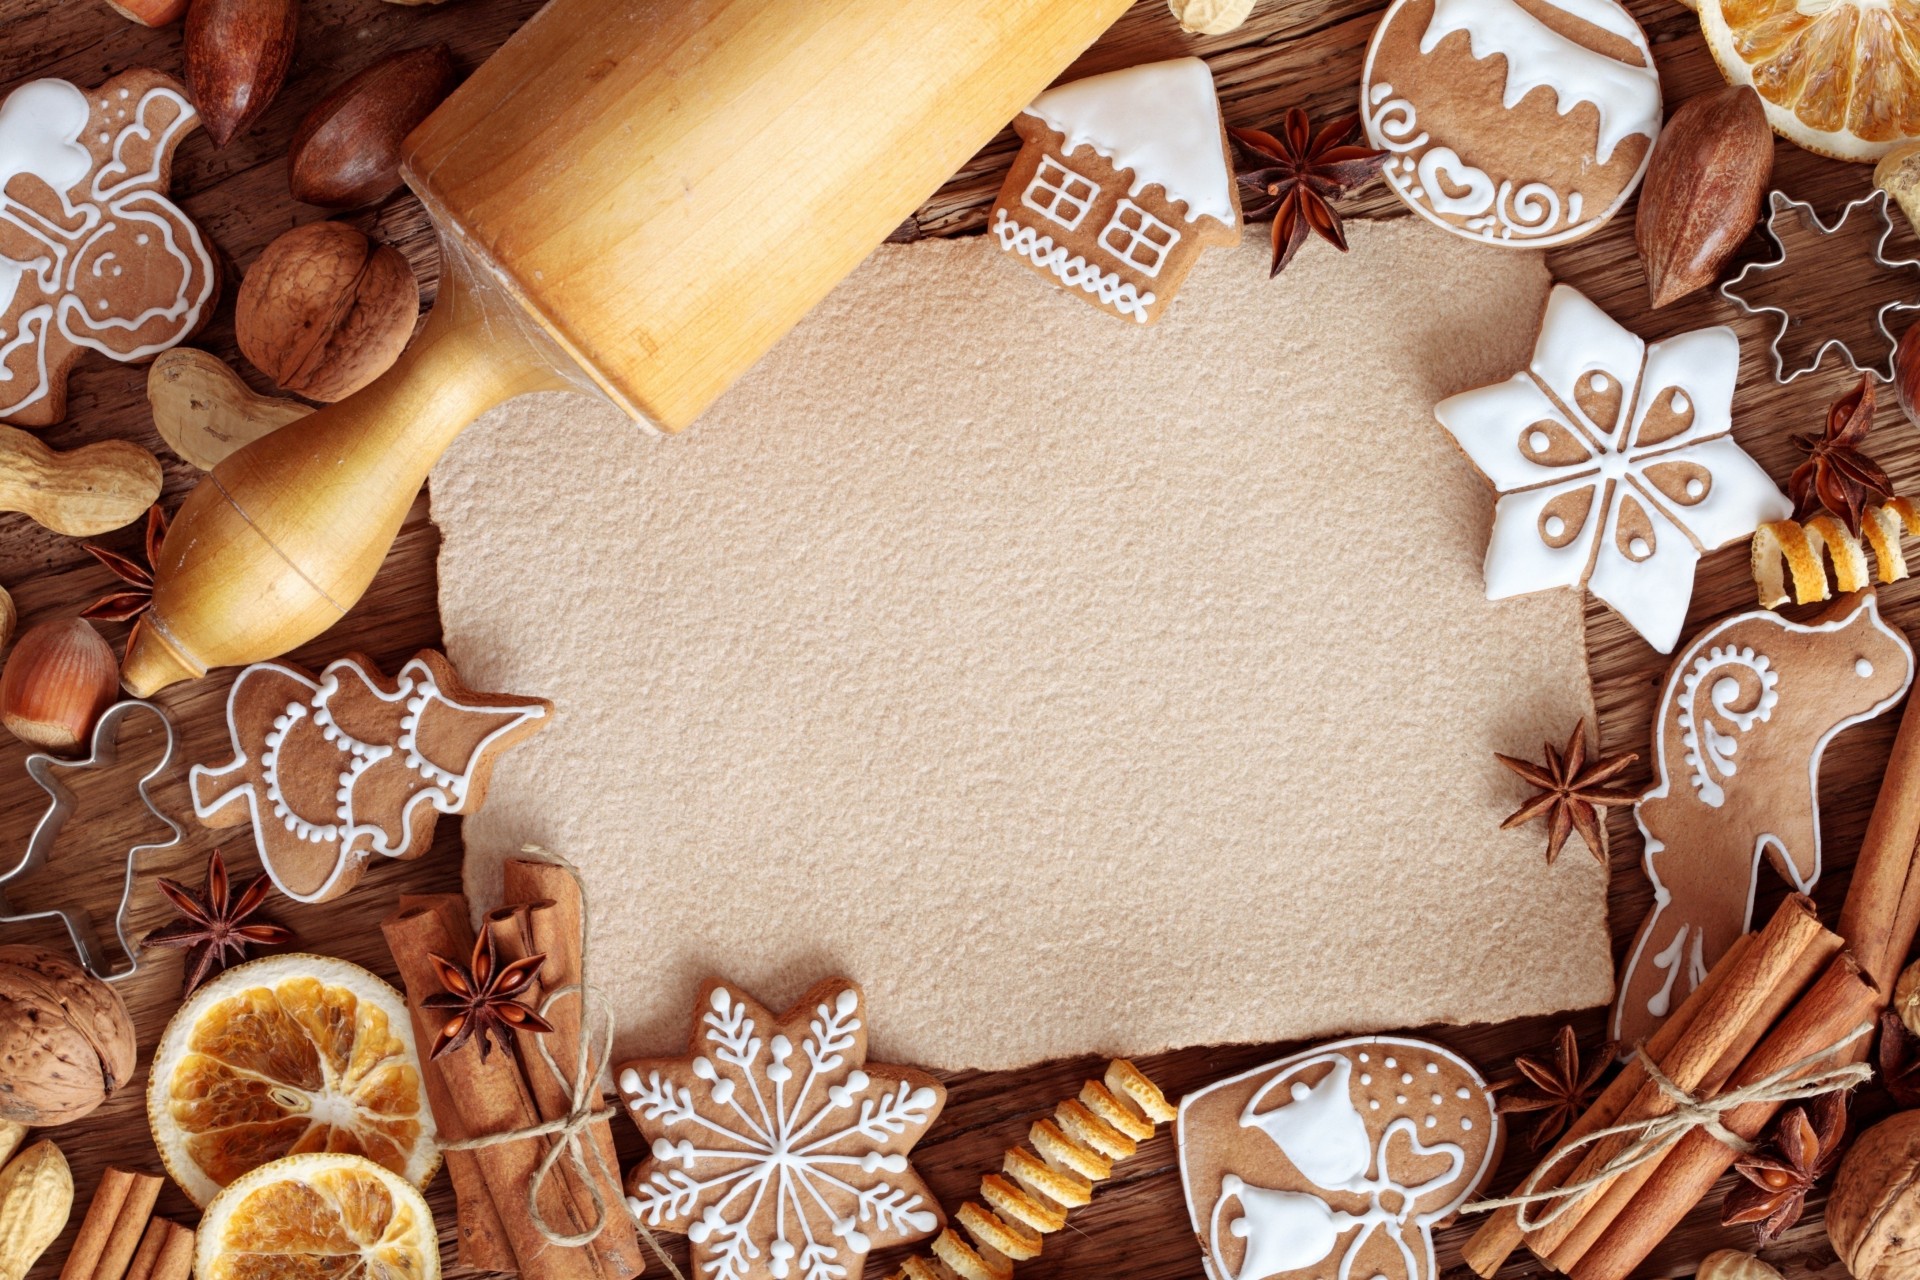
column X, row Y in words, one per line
column 93, row 256
column 1121, row 180
column 1340, row 1160
column 778, row 1149
column 1518, row 122
column 1614, row 464
column 335, row 769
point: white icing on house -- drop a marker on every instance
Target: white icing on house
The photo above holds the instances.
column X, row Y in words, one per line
column 1627, row 97
column 1161, row 120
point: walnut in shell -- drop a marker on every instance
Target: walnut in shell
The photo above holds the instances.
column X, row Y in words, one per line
column 324, row 310
column 1873, row 1215
column 66, row 1042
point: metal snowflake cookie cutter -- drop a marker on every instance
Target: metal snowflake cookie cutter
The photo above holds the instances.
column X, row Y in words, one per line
column 103, row 754
column 1779, row 203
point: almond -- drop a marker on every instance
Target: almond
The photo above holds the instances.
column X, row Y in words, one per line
column 347, row 151
column 1702, row 194
column 237, row 53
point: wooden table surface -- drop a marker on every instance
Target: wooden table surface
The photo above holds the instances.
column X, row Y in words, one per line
column 1305, row 52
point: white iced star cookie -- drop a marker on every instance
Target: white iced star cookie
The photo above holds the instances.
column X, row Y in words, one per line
column 1614, row 464
column 778, row 1149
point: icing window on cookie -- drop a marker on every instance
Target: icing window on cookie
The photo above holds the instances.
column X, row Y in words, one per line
column 1059, row 193
column 1138, row 238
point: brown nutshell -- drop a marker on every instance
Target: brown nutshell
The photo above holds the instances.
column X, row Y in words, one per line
column 1906, row 376
column 1873, row 1215
column 324, row 310
column 237, row 52
column 346, row 152
column 1702, row 193
column 66, row 1042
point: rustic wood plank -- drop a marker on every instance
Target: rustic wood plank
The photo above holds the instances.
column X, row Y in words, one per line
column 1305, row 52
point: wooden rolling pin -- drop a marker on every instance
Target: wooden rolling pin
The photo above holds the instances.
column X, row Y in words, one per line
column 639, row 197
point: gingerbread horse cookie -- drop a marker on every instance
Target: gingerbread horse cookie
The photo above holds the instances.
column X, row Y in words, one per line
column 93, row 256
column 1747, row 710
column 1355, row 1150
column 337, row 769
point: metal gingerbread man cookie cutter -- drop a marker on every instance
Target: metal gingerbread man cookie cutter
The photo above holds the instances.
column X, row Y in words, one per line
column 104, row 753
column 1778, row 205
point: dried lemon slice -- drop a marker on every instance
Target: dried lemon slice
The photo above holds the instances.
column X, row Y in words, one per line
column 1838, row 77
column 318, row 1217
column 287, row 1055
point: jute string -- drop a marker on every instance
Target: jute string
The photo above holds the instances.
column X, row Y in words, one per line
column 1654, row 1137
column 584, row 1107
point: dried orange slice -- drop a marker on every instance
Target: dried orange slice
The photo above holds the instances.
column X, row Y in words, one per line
column 286, row 1055
column 318, row 1217
column 1838, row 77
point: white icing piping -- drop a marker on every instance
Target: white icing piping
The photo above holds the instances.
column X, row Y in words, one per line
column 1707, row 750
column 1071, row 269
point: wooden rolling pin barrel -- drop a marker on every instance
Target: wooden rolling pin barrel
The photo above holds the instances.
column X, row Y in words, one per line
column 640, row 196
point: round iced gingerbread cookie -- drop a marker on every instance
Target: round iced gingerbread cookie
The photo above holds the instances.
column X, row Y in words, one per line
column 1512, row 121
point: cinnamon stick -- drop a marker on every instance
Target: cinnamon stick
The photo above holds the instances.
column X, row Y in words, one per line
column 128, row 1226
column 1838, row 1002
column 1489, row 1248
column 488, row 1100
column 141, row 1268
column 551, row 910
column 1785, row 995
column 1719, row 1025
column 482, row 1241
column 102, row 1213
column 176, row 1255
column 1882, row 912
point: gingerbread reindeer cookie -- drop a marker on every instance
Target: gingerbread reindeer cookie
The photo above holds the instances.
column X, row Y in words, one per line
column 1746, row 712
column 337, row 769
column 1338, row 1161
column 93, row 256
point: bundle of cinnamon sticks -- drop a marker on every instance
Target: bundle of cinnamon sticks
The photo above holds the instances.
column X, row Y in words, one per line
column 474, row 1096
column 120, row 1239
column 1778, row 998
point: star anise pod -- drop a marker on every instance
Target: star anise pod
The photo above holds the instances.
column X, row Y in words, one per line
column 1899, row 1059
column 1806, row 1145
column 137, row 596
column 1836, row 475
column 1570, row 792
column 1298, row 174
column 216, row 926
column 1561, row 1092
column 481, row 996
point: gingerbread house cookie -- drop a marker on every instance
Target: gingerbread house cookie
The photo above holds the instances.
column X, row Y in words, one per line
column 1122, row 178
column 1516, row 122
column 93, row 255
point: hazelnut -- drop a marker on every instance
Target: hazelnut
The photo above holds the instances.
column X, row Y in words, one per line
column 1873, row 1215
column 150, row 13
column 57, row 681
column 324, row 310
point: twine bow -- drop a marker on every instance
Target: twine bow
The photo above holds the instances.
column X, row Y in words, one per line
column 584, row 1105
column 1654, row 1137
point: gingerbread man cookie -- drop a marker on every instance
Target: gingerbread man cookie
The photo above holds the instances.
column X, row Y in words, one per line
column 1355, row 1150
column 778, row 1149
column 1515, row 122
column 337, row 769
column 1744, row 716
column 93, row 256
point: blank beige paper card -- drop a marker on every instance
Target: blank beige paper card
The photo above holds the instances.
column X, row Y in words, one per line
column 1075, row 686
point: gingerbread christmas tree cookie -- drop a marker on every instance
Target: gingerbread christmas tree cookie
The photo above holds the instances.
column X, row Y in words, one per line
column 93, row 255
column 1614, row 463
column 1511, row 123
column 1121, row 180
column 1338, row 1161
column 336, row 769
column 778, row 1149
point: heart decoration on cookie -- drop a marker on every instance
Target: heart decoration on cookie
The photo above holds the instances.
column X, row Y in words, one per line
column 1614, row 463
column 1356, row 1149
column 1512, row 124
column 93, row 256
column 1744, row 716
column 337, row 769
